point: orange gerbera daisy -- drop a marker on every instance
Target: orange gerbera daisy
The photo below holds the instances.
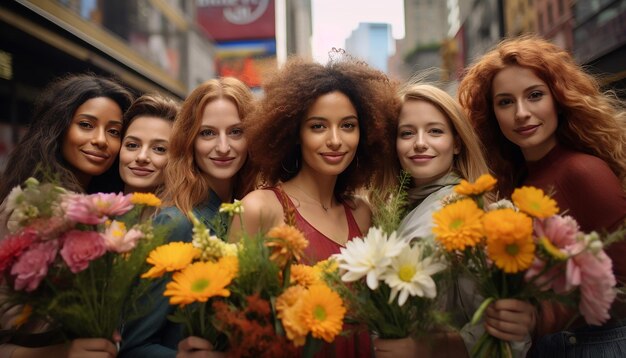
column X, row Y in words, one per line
column 458, row 225
column 304, row 275
column 483, row 184
column 534, row 202
column 198, row 282
column 174, row 256
column 323, row 312
column 509, row 239
column 286, row 243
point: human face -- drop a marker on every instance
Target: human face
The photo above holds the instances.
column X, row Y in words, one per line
column 425, row 143
column 144, row 153
column 220, row 147
column 525, row 110
column 329, row 134
column 92, row 140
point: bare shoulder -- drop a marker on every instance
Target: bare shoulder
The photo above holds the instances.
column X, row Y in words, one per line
column 262, row 209
column 361, row 211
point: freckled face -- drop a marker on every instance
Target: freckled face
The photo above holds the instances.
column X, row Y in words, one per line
column 92, row 141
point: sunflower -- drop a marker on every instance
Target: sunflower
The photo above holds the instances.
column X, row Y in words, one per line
column 509, row 239
column 198, row 282
column 483, row 184
column 552, row 251
column 286, row 242
column 304, row 275
column 323, row 312
column 534, row 202
column 148, row 199
column 458, row 225
column 174, row 256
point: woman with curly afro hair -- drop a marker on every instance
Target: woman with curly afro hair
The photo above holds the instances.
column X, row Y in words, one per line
column 546, row 123
column 320, row 133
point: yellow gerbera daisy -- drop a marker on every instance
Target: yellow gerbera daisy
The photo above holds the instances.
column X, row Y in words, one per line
column 286, row 242
column 323, row 312
column 198, row 282
column 552, row 250
column 534, row 202
column 509, row 239
column 171, row 257
column 289, row 298
column 229, row 263
column 326, row 266
column 148, row 199
column 483, row 184
column 458, row 225
column 304, row 275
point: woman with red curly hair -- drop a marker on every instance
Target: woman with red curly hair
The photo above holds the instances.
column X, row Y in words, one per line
column 546, row 123
column 320, row 133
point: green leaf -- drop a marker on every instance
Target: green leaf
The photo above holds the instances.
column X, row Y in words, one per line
column 481, row 310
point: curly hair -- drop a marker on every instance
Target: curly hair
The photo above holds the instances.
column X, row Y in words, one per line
column 275, row 124
column 470, row 162
column 185, row 185
column 590, row 121
column 51, row 118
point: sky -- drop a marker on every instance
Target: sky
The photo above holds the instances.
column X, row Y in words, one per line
column 334, row 20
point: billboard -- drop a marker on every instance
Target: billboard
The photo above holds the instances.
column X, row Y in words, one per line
column 248, row 61
column 229, row 20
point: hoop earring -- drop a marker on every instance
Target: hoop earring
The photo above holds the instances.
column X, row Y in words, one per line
column 295, row 170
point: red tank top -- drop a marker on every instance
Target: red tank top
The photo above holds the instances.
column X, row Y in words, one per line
column 320, row 246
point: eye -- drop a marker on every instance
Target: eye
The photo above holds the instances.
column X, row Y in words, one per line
column 206, row 133
column 535, row 95
column 504, row 102
column 436, row 131
column 85, row 125
column 131, row 145
column 349, row 125
column 405, row 134
column 236, row 132
column 159, row 149
column 114, row 132
column 317, row 126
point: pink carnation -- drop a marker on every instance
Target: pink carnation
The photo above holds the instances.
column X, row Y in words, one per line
column 32, row 266
column 14, row 245
column 117, row 239
column 553, row 279
column 96, row 208
column 80, row 248
column 560, row 230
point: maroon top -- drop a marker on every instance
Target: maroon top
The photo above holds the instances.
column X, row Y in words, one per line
column 320, row 248
column 585, row 188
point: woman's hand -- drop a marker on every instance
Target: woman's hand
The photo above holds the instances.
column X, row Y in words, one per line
column 510, row 320
column 196, row 347
column 395, row 348
column 91, row 348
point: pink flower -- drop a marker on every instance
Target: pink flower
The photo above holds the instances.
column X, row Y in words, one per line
column 554, row 278
column 96, row 208
column 14, row 245
column 32, row 266
column 80, row 248
column 117, row 239
column 560, row 230
column 50, row 228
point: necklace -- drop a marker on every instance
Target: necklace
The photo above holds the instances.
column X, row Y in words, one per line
column 324, row 207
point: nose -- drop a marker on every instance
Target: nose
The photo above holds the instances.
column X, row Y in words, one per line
column 521, row 112
column 420, row 144
column 142, row 156
column 99, row 139
column 223, row 145
column 333, row 141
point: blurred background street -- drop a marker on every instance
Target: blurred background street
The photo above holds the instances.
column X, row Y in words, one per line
column 171, row 46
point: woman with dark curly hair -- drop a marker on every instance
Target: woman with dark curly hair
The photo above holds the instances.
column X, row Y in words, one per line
column 545, row 123
column 320, row 133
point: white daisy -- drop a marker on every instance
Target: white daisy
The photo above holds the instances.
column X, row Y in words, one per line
column 411, row 274
column 369, row 256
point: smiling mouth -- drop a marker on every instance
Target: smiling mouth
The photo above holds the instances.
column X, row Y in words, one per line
column 526, row 129
column 141, row 171
column 99, row 156
column 222, row 161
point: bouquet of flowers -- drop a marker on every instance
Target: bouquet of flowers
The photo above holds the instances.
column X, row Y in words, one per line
column 72, row 260
column 389, row 281
column 252, row 298
column 523, row 249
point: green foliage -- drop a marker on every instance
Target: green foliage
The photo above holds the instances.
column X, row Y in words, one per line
column 389, row 205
